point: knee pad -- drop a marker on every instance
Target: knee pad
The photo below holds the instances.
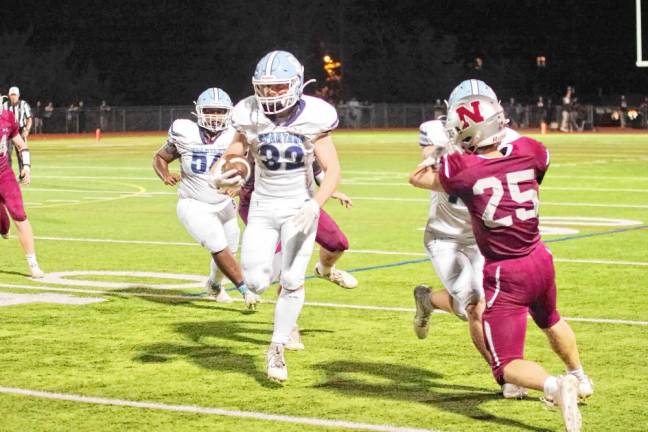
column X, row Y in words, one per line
column 291, row 281
column 459, row 309
column 258, row 281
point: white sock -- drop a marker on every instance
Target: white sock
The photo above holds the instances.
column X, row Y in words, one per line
column 287, row 310
column 578, row 373
column 322, row 269
column 31, row 260
column 551, row 386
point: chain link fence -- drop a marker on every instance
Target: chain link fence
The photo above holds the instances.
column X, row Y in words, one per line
column 352, row 115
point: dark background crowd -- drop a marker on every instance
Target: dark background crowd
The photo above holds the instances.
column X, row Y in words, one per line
column 76, row 54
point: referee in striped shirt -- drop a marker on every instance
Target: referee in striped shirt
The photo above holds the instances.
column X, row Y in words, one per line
column 23, row 114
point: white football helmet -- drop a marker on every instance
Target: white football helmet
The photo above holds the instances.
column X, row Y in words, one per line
column 278, row 81
column 214, row 109
column 470, row 87
column 476, row 121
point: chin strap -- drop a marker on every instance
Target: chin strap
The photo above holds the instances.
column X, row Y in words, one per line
column 306, row 83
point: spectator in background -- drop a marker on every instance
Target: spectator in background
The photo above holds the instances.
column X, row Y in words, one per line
column 82, row 117
column 104, row 112
column 644, row 112
column 38, row 118
column 23, row 115
column 511, row 113
column 542, row 115
column 72, row 119
column 439, row 109
column 522, row 119
column 354, row 113
column 566, row 110
column 623, row 111
column 47, row 115
column 577, row 116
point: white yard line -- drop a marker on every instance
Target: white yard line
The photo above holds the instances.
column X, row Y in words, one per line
column 349, row 182
column 253, row 415
column 146, row 194
column 314, row 304
column 152, row 177
column 375, row 174
column 542, row 203
column 604, row 262
column 96, row 240
column 363, row 182
column 356, row 251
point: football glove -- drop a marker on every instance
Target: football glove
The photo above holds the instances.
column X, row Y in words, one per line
column 307, row 216
column 223, row 180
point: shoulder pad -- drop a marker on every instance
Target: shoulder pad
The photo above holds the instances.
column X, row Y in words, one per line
column 433, row 133
column 242, row 113
column 321, row 114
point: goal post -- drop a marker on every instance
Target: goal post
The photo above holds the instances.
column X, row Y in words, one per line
column 640, row 60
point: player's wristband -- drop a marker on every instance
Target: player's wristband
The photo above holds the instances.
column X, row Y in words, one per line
column 26, row 157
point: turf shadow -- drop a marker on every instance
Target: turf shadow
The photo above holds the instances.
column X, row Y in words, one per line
column 405, row 383
column 194, row 302
column 207, row 353
column 15, row 273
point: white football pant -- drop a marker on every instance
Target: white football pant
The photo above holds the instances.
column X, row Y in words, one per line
column 460, row 267
column 269, row 221
column 214, row 226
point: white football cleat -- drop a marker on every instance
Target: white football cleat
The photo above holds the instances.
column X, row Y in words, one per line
column 338, row 277
column 251, row 300
column 5, row 236
column 36, row 272
column 512, row 391
column 216, row 291
column 585, row 388
column 566, row 398
column 294, row 342
column 424, row 309
column 276, row 363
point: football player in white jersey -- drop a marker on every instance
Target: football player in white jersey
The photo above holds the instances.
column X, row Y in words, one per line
column 208, row 215
column 283, row 130
column 450, row 244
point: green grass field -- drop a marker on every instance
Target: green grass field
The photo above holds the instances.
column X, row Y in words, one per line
column 99, row 207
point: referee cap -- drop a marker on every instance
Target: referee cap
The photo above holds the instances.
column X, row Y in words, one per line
column 14, row 90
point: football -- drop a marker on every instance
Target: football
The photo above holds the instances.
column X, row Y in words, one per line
column 239, row 163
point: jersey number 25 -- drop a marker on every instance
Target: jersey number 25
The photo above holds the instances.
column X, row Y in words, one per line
column 512, row 179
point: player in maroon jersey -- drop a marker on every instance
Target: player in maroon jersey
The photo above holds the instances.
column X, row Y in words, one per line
column 10, row 195
column 500, row 189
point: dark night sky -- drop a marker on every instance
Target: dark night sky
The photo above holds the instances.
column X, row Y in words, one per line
column 166, row 52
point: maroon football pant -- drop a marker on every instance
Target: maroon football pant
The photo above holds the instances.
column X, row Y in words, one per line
column 513, row 288
column 10, row 198
column 329, row 235
column 4, row 220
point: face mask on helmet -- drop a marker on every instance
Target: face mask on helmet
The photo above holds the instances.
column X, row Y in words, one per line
column 476, row 121
column 278, row 82
column 214, row 109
